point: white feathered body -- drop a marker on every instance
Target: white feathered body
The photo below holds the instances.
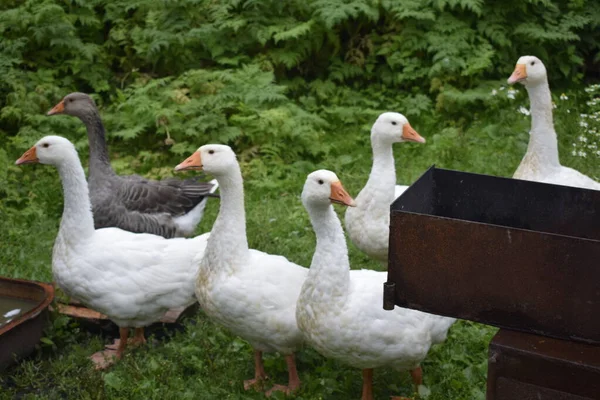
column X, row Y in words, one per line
column 368, row 224
column 398, row 190
column 132, row 278
column 257, row 301
column 531, row 170
column 356, row 330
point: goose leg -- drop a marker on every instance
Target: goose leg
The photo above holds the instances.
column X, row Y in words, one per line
column 367, row 392
column 113, row 352
column 123, row 334
column 417, row 377
column 138, row 338
column 293, row 380
column 259, row 372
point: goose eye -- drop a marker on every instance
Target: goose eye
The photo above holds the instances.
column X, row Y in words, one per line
column 211, row 152
column 394, row 123
column 532, row 63
column 320, row 181
column 46, row 145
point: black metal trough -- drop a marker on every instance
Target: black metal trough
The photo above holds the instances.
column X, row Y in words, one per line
column 504, row 252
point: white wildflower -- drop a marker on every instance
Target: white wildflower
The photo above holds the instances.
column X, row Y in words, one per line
column 553, row 105
column 582, row 153
column 494, row 92
column 524, row 111
column 583, row 138
column 583, row 115
column 564, row 97
column 510, row 93
column 583, row 124
column 502, row 88
column 574, row 153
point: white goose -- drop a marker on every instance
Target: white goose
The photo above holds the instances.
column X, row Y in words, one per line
column 132, row 278
column 340, row 310
column 541, row 162
column 251, row 293
column 368, row 223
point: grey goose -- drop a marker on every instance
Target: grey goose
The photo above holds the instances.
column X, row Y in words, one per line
column 169, row 207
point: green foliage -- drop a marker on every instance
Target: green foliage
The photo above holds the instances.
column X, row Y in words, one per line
column 586, row 117
column 142, row 53
column 242, row 107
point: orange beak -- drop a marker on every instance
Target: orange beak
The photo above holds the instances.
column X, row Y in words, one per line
column 340, row 196
column 193, row 162
column 58, row 109
column 519, row 74
column 29, row 157
column 410, row 135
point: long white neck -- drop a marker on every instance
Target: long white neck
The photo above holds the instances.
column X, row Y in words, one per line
column 77, row 221
column 379, row 190
column 542, row 140
column 329, row 272
column 228, row 245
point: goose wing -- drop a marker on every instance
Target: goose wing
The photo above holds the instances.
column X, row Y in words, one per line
column 174, row 197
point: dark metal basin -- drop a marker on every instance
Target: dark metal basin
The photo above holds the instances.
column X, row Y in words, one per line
column 504, row 252
column 20, row 334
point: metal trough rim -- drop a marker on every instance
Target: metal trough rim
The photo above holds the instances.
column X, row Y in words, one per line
column 507, row 178
column 433, row 168
column 499, row 226
column 35, row 311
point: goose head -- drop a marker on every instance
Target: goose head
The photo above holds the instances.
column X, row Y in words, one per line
column 52, row 150
column 215, row 159
column 529, row 71
column 392, row 127
column 323, row 188
column 76, row 104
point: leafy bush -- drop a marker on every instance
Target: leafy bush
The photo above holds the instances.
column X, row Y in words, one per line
column 587, row 143
column 373, row 49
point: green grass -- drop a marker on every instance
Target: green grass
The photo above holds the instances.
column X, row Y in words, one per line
column 203, row 361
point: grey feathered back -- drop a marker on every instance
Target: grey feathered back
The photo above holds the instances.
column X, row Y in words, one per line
column 132, row 202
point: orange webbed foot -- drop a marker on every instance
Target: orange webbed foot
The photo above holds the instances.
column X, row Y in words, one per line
column 256, row 383
column 280, row 388
column 104, row 359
